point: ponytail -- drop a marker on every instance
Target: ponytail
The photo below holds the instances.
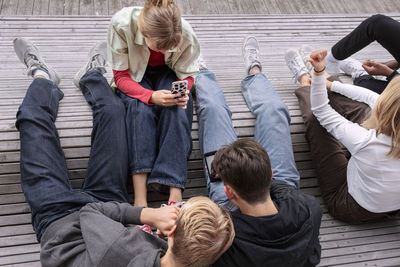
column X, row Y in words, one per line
column 160, row 21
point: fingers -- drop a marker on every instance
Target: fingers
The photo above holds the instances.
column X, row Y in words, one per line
column 318, row 55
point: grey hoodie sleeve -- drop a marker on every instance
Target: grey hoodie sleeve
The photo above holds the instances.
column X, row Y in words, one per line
column 103, row 228
column 120, row 212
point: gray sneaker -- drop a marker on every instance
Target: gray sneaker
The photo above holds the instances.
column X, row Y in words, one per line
column 295, row 64
column 305, row 52
column 29, row 54
column 97, row 60
column 352, row 67
column 202, row 63
column 251, row 53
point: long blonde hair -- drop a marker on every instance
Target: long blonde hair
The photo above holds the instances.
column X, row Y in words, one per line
column 385, row 116
column 160, row 21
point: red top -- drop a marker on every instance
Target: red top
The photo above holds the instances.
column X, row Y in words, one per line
column 131, row 88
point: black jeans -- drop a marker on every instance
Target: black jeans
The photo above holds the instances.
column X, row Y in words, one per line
column 380, row 28
column 44, row 174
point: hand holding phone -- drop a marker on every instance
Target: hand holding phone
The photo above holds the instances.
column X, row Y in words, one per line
column 179, row 88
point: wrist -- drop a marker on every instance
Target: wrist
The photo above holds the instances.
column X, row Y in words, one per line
column 319, row 72
column 146, row 216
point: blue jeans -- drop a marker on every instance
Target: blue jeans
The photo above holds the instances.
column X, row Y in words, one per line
column 44, row 174
column 271, row 128
column 159, row 138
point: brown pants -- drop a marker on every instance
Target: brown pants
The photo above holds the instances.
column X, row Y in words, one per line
column 330, row 158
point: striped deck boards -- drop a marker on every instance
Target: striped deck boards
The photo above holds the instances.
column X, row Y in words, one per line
column 64, row 43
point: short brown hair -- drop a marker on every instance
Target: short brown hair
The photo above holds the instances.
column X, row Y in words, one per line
column 160, row 21
column 245, row 166
column 203, row 232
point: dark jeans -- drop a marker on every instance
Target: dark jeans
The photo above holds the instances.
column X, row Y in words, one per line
column 159, row 138
column 380, row 28
column 330, row 158
column 44, row 174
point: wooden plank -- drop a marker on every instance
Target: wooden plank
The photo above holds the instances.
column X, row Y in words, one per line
column 25, row 7
column 56, row 7
column 9, row 7
column 41, row 7
column 86, row 7
column 100, row 7
column 71, row 7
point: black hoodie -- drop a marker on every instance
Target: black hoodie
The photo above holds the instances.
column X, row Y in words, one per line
column 288, row 238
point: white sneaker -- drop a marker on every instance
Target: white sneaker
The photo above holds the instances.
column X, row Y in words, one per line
column 295, row 64
column 29, row 54
column 251, row 53
column 305, row 52
column 97, row 60
column 352, row 67
column 202, row 63
column 332, row 65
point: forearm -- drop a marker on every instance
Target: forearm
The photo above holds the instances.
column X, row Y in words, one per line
column 131, row 88
column 120, row 212
column 393, row 64
column 356, row 93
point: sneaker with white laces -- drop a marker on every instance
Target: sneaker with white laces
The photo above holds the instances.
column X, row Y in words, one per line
column 202, row 63
column 332, row 65
column 29, row 54
column 295, row 64
column 305, row 52
column 352, row 67
column 97, row 60
column 251, row 53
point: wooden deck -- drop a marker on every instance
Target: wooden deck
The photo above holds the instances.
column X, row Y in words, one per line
column 65, row 41
column 196, row 7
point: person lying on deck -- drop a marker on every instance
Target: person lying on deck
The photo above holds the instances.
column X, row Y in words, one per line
column 275, row 223
column 380, row 28
column 149, row 49
column 367, row 187
column 91, row 226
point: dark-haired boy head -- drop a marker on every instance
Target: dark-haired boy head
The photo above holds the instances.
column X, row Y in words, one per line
column 245, row 169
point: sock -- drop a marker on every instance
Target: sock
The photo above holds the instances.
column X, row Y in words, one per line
column 331, row 58
column 38, row 72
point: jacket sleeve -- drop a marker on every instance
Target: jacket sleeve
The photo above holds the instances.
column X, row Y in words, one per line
column 117, row 49
column 186, row 64
column 350, row 134
column 103, row 223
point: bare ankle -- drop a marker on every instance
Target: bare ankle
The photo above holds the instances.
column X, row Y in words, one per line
column 254, row 70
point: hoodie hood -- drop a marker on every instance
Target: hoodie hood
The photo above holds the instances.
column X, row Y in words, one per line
column 288, row 238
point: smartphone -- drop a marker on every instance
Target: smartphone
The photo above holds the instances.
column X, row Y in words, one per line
column 209, row 157
column 179, row 87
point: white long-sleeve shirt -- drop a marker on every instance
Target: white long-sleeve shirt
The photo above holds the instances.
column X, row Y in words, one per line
column 373, row 177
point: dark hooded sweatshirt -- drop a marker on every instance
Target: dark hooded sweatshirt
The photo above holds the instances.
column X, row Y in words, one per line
column 288, row 238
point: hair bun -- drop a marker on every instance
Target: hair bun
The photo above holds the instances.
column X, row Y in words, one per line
column 160, row 3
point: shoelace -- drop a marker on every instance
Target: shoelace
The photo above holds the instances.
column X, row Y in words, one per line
column 252, row 55
column 296, row 71
column 97, row 61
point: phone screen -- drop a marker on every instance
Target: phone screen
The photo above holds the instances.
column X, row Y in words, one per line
column 209, row 157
